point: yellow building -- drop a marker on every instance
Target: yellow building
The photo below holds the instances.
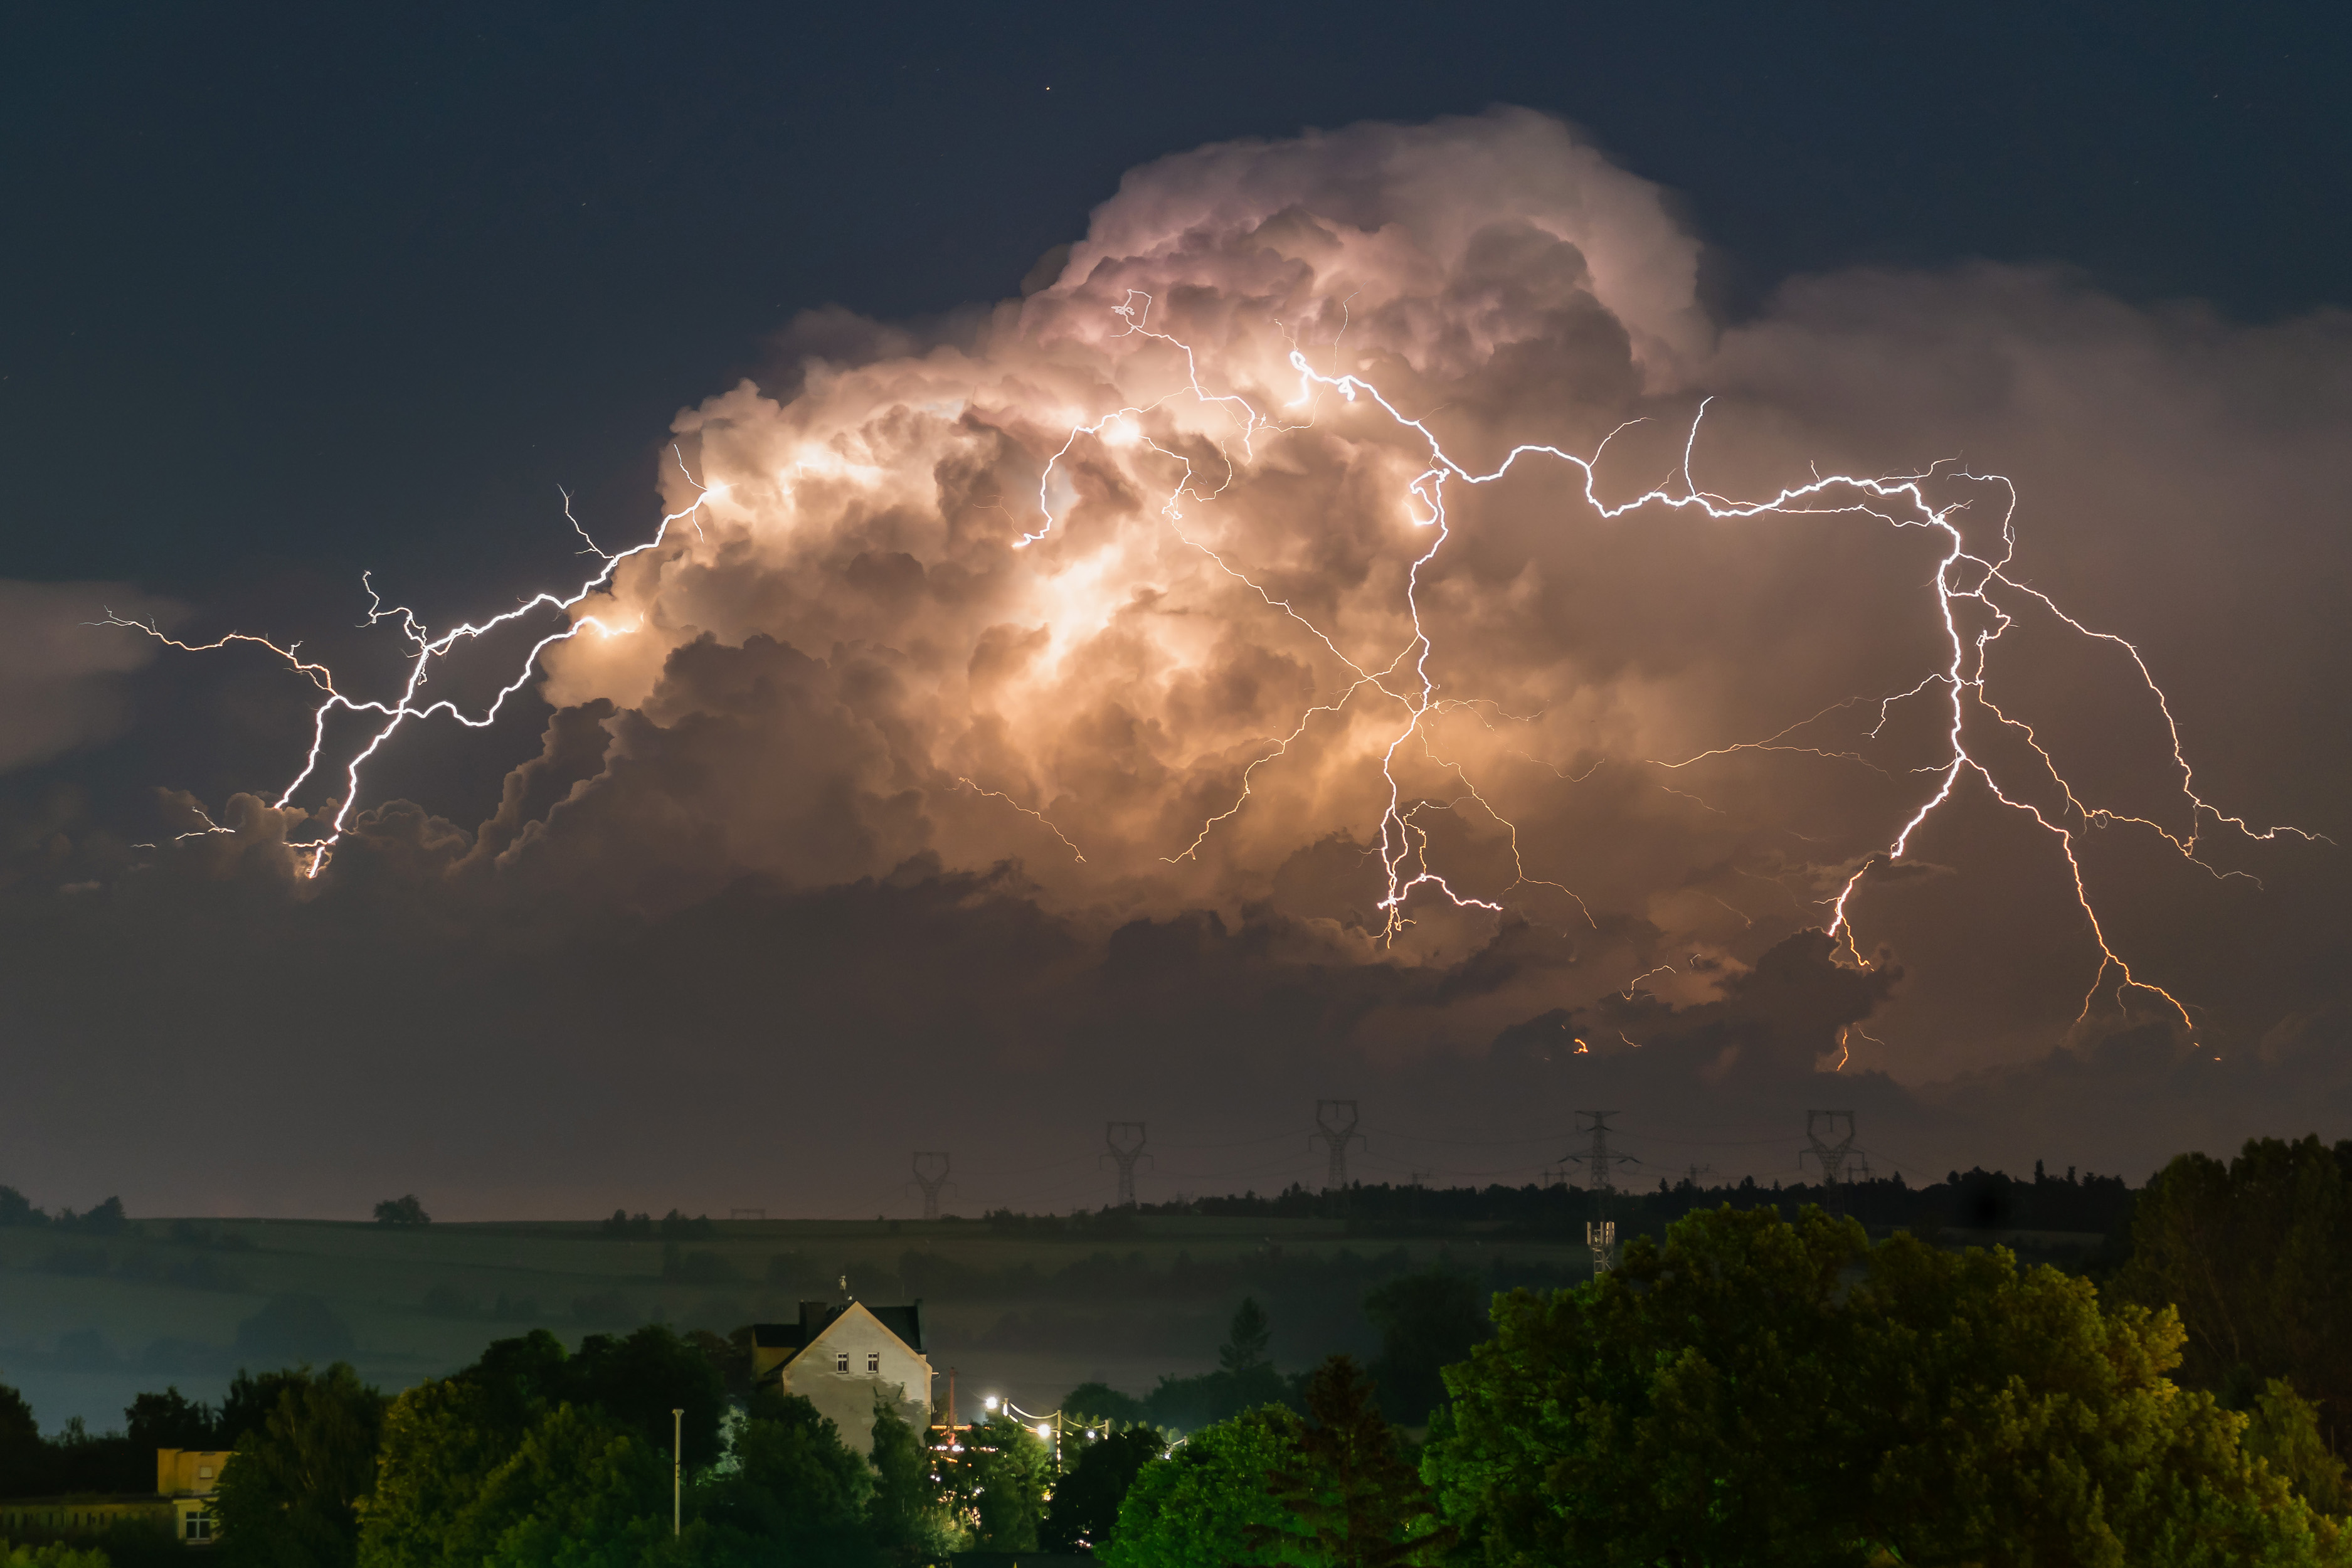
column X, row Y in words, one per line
column 841, row 1357
column 71, row 1517
column 187, row 1479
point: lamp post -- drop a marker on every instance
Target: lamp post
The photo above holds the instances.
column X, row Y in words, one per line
column 677, row 1457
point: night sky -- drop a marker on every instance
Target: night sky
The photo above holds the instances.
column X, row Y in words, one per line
column 708, row 919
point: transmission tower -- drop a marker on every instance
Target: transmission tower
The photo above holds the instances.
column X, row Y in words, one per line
column 1601, row 1174
column 1337, row 1118
column 1125, row 1141
column 930, row 1174
column 1836, row 1159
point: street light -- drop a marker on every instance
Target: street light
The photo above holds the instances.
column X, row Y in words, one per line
column 677, row 1455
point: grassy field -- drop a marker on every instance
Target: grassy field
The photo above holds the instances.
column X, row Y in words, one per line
column 86, row 1322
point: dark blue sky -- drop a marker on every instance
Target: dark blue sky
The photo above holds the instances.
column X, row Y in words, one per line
column 291, row 292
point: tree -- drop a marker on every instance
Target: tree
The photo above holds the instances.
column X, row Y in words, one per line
column 402, row 1210
column 1758, row 1392
column 1199, row 1504
column 24, row 1457
column 80, row 1460
column 1346, row 1483
column 2282, row 1430
column 2257, row 1255
column 442, row 1441
column 53, row 1554
column 730, row 1355
column 295, row 1327
column 445, row 1439
column 1243, row 1380
column 104, row 1219
column 1101, row 1402
column 1246, row 1339
column 1427, row 1321
column 15, row 1208
column 640, row 1378
column 580, row 1490
column 997, row 1485
column 906, row 1515
column 796, row 1494
column 290, row 1497
column 169, row 1420
column 1084, row 1513
column 247, row 1405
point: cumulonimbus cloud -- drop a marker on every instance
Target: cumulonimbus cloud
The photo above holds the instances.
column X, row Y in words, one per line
column 1134, row 581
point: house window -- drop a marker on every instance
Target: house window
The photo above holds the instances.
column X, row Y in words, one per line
column 841, row 1361
column 204, row 1472
column 874, row 1360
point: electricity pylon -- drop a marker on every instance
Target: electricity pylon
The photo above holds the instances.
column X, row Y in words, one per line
column 1126, row 1141
column 1337, row 1120
column 930, row 1174
column 1837, row 1159
column 1601, row 1172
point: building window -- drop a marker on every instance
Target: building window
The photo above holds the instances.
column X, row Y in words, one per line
column 204, row 1472
column 874, row 1360
column 841, row 1361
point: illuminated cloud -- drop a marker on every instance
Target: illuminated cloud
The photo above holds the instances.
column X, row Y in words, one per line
column 1102, row 582
column 1049, row 681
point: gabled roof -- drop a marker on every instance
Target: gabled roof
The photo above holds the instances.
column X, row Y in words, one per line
column 816, row 1316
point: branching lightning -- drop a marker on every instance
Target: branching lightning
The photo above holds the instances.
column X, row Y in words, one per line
column 1898, row 501
column 1403, row 681
column 423, row 648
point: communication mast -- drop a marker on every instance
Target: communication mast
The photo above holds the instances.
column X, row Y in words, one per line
column 1126, row 1141
column 1337, row 1120
column 930, row 1174
column 1601, row 1172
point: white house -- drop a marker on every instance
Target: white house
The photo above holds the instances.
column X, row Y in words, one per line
column 839, row 1358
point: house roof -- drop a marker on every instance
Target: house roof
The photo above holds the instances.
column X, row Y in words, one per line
column 905, row 1322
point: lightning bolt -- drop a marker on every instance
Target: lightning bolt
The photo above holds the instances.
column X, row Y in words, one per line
column 1900, row 501
column 1403, row 681
column 1025, row 811
column 425, row 648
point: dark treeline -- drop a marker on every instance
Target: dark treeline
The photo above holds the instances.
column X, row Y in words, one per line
column 102, row 1219
column 1972, row 1200
column 1104, row 1275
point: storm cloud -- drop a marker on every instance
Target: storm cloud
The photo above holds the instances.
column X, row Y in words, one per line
column 1069, row 709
